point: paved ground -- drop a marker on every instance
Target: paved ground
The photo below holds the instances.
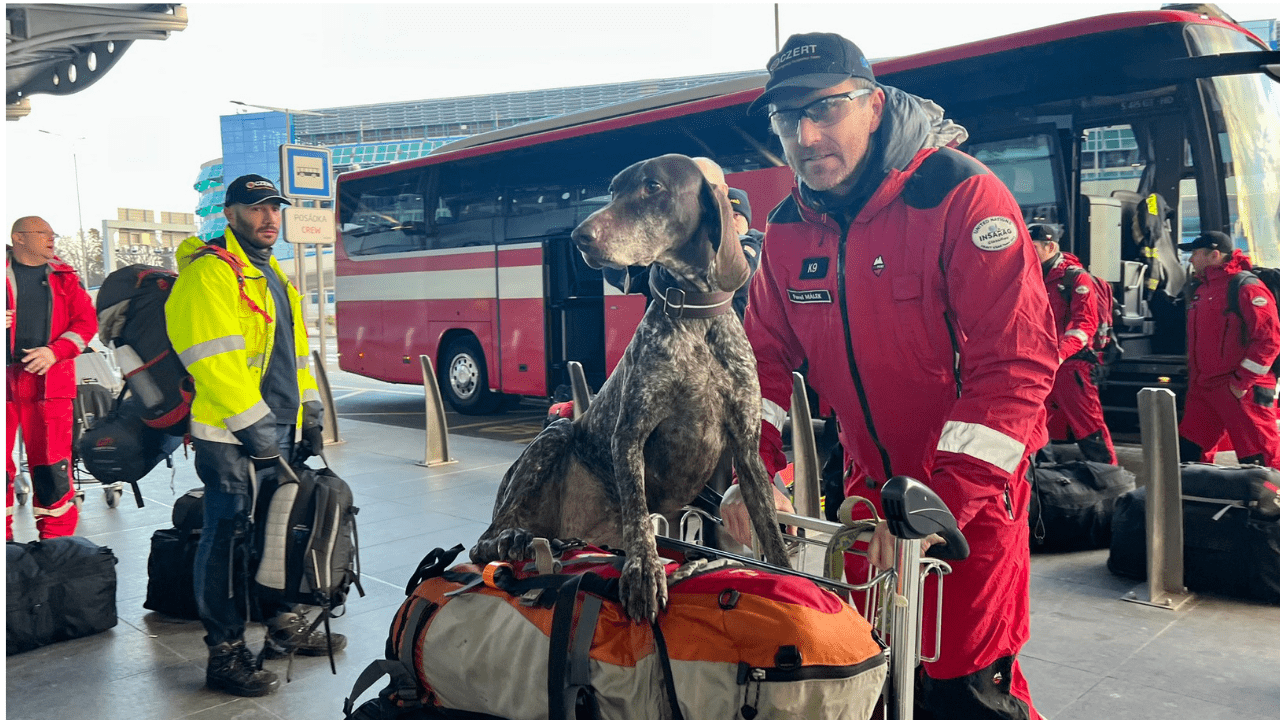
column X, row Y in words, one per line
column 1091, row 657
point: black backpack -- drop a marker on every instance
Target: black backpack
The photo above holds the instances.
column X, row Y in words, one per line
column 309, row 552
column 121, row 447
column 131, row 322
column 1270, row 277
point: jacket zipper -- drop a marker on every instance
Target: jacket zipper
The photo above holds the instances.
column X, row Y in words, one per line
column 848, row 346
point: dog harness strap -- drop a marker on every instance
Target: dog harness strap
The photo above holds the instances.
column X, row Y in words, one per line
column 679, row 304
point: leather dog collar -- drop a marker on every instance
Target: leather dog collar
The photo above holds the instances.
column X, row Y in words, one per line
column 678, row 304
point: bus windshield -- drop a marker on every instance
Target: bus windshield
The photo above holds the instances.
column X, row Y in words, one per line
column 1244, row 114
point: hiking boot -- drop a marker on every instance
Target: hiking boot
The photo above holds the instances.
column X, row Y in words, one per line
column 233, row 669
column 288, row 633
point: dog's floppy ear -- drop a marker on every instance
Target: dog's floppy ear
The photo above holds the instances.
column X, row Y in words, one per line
column 729, row 269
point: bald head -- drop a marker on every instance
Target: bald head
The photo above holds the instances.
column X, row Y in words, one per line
column 713, row 173
column 32, row 241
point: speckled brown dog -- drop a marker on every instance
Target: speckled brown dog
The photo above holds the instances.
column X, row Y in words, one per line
column 682, row 406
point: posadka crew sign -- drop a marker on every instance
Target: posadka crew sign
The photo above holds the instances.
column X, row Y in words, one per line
column 309, row 226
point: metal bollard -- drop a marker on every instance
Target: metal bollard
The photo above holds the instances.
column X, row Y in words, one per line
column 1158, row 417
column 581, row 391
column 331, row 436
column 808, row 493
column 437, row 426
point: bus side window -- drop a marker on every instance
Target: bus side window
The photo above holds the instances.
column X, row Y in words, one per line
column 381, row 216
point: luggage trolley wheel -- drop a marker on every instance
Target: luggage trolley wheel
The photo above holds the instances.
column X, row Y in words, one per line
column 113, row 492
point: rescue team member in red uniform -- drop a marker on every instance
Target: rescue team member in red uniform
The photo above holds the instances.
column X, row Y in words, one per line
column 1230, row 349
column 1073, row 403
column 49, row 320
column 903, row 274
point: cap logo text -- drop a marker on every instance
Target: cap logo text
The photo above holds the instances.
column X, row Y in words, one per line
column 793, row 53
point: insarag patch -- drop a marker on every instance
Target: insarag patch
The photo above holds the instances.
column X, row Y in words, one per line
column 995, row 233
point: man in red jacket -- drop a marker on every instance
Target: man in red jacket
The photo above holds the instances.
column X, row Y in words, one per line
column 49, row 320
column 901, row 271
column 1073, row 403
column 1231, row 344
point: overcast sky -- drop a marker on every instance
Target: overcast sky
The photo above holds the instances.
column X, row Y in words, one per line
column 140, row 133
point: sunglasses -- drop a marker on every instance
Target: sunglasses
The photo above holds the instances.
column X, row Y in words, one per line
column 823, row 112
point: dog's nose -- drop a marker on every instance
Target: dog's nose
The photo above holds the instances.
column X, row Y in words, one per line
column 583, row 235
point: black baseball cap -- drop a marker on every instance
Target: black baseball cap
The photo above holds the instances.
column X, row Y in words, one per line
column 739, row 202
column 1045, row 232
column 812, row 61
column 252, row 190
column 1210, row 240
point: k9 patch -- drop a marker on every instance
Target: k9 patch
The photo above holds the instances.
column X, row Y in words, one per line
column 814, row 268
column 804, row 297
column 995, row 233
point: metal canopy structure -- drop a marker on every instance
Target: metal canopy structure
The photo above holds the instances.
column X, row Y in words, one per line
column 63, row 49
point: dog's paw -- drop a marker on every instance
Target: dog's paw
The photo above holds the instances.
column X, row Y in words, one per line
column 643, row 587
column 510, row 545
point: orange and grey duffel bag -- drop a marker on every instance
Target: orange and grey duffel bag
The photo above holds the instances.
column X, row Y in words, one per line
column 509, row 642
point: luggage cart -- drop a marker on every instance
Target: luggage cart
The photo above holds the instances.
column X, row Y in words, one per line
column 98, row 385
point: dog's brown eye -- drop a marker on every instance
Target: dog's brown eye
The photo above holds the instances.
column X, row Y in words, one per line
column 652, row 186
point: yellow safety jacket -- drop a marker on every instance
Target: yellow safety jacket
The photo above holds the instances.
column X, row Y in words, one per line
column 219, row 328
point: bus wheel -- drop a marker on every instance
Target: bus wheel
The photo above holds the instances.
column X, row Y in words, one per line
column 465, row 379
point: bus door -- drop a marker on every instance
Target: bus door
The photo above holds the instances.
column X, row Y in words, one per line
column 575, row 314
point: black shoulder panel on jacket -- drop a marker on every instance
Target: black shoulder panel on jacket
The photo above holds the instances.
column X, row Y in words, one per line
column 786, row 212
column 937, row 176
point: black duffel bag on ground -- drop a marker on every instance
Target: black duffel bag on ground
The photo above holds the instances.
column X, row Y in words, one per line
column 1072, row 504
column 57, row 589
column 1231, row 532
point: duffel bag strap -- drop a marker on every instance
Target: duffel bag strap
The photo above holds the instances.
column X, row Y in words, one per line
column 433, row 565
column 403, row 687
column 668, row 680
column 569, row 677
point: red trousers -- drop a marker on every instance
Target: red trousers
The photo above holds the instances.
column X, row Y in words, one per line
column 46, row 433
column 1075, row 413
column 986, row 608
column 1251, row 425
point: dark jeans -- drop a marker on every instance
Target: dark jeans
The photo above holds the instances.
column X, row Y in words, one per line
column 220, row 570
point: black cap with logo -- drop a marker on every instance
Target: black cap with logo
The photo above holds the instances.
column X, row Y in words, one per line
column 1210, row 240
column 812, row 61
column 251, row 190
column 1045, row 232
column 739, row 202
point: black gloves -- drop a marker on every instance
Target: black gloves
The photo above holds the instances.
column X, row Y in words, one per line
column 310, row 445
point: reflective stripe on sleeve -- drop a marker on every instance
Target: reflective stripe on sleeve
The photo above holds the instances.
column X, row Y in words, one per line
column 302, row 361
column 240, row 421
column 203, row 431
column 773, row 413
column 1254, row 367
column 983, row 443
column 209, row 348
column 75, row 338
column 1078, row 333
column 311, row 395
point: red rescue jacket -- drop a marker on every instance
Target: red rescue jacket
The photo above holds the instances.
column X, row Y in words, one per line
column 936, row 294
column 72, row 324
column 1223, row 347
column 1077, row 322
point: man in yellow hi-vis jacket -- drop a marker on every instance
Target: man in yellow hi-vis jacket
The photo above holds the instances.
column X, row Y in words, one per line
column 236, row 322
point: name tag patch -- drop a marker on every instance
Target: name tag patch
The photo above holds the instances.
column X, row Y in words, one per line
column 808, row 296
column 814, row 268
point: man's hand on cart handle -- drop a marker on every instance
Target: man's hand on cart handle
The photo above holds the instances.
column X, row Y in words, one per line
column 733, row 510
column 880, row 551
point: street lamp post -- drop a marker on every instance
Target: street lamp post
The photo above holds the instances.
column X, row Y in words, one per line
column 75, row 165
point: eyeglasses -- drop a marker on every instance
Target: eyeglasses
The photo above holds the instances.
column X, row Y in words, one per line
column 823, row 112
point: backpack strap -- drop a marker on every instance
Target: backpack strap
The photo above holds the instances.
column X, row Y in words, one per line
column 237, row 266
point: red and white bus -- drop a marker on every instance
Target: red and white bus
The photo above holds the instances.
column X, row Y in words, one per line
column 1132, row 130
